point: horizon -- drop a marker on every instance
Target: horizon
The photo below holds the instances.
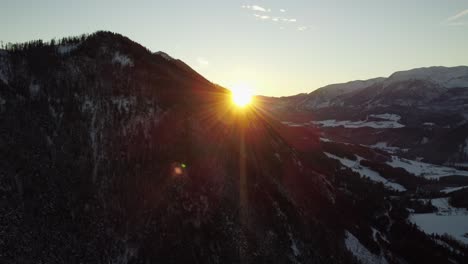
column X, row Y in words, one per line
column 274, row 96
column 277, row 49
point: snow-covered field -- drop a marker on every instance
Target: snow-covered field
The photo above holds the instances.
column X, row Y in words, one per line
column 425, row 170
column 358, row 124
column 386, row 116
column 452, row 189
column 447, row 220
column 366, row 172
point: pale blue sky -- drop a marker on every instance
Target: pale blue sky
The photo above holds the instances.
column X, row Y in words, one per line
column 321, row 42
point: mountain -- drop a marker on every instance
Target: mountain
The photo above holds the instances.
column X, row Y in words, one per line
column 430, row 105
column 111, row 153
column 114, row 154
column 405, row 88
column 407, row 132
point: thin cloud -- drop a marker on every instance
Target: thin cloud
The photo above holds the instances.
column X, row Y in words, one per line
column 261, row 16
column 287, row 20
column 279, row 18
column 457, row 19
column 458, row 16
column 256, row 8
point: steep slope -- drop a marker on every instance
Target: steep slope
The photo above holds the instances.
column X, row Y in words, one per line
column 113, row 154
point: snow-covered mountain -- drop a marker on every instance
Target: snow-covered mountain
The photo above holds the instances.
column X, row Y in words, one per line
column 431, row 103
column 327, row 96
column 407, row 88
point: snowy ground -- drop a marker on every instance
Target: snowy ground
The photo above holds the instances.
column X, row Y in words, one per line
column 452, row 189
column 386, row 116
column 366, row 172
column 447, row 220
column 360, row 251
column 358, row 124
column 425, row 170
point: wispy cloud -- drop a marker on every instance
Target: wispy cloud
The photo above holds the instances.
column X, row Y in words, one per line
column 261, row 16
column 457, row 19
column 278, row 16
column 256, row 8
column 458, row 16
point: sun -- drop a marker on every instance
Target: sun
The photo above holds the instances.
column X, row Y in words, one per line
column 241, row 95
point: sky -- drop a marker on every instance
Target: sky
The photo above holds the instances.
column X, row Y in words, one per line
column 276, row 47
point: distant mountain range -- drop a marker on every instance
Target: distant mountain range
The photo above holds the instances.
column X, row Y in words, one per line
column 111, row 153
column 431, row 105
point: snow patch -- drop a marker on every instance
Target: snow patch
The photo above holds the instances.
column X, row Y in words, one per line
column 358, row 124
column 376, row 232
column 447, row 220
column 452, row 189
column 425, row 170
column 386, row 147
column 122, row 59
column 445, row 245
column 88, row 106
column 66, row 49
column 34, row 89
column 123, row 103
column 294, row 246
column 386, row 116
column 360, row 251
column 366, row 172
